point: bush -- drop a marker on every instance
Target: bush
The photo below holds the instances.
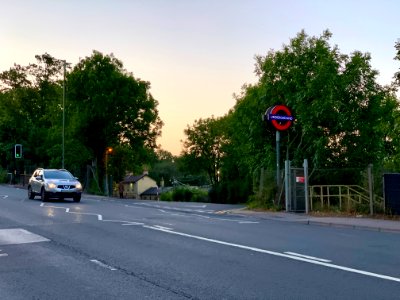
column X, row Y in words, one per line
column 185, row 194
column 231, row 192
column 3, row 176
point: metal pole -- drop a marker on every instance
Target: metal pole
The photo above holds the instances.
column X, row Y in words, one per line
column 107, row 173
column 278, row 138
column 371, row 190
column 287, row 192
column 63, row 120
column 305, row 165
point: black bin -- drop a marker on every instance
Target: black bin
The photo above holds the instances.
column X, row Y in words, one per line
column 391, row 184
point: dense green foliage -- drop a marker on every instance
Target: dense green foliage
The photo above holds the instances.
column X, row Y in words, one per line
column 343, row 117
column 344, row 120
column 186, row 194
column 203, row 146
column 105, row 106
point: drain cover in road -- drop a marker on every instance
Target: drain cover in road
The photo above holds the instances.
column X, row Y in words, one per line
column 19, row 236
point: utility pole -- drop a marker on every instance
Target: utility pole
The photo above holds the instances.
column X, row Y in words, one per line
column 63, row 119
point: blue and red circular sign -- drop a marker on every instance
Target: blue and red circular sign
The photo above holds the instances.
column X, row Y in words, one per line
column 280, row 117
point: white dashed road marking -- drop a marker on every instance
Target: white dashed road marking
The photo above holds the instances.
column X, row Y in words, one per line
column 99, row 263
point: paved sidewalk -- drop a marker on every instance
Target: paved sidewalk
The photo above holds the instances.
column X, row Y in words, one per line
column 363, row 222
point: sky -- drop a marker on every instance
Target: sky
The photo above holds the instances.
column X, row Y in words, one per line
column 195, row 53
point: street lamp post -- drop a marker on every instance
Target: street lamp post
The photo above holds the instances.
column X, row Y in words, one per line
column 108, row 151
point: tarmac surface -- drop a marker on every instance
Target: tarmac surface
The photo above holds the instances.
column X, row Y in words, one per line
column 356, row 222
column 364, row 222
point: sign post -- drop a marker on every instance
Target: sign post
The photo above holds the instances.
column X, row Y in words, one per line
column 281, row 118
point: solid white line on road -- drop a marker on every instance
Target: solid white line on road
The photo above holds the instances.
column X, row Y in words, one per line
column 309, row 257
column 294, row 257
column 102, row 264
column 3, row 254
column 303, row 259
column 162, row 227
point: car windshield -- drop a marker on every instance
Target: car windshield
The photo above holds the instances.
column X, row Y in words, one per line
column 55, row 174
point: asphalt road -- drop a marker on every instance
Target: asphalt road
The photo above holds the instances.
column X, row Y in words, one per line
column 104, row 248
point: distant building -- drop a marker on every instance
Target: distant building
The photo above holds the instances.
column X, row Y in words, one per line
column 136, row 185
column 152, row 193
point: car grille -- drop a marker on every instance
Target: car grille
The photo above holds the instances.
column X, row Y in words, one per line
column 66, row 186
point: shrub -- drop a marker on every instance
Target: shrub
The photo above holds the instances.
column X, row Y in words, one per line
column 3, row 176
column 185, row 194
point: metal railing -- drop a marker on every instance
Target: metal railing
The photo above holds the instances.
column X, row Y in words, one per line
column 344, row 196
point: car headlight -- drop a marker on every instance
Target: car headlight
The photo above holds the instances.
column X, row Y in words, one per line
column 79, row 186
column 51, row 185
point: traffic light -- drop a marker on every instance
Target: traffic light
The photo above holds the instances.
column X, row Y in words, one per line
column 18, row 150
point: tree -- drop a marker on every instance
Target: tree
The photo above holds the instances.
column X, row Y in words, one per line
column 203, row 146
column 164, row 168
column 339, row 109
column 105, row 106
column 109, row 107
column 397, row 57
column 31, row 113
column 335, row 98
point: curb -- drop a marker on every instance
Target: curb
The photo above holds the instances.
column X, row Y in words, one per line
column 312, row 221
column 353, row 226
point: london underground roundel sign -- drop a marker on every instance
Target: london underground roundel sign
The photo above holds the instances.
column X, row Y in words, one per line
column 280, row 117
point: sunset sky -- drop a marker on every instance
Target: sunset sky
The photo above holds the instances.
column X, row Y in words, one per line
column 195, row 53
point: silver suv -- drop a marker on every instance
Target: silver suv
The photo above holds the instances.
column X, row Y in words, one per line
column 54, row 183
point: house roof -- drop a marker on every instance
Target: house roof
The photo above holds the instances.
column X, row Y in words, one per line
column 133, row 178
column 151, row 191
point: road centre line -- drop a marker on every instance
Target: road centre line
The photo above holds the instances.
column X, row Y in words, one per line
column 99, row 263
column 309, row 257
column 67, row 210
column 293, row 257
column 171, row 208
column 162, row 227
column 99, row 216
column 208, row 217
column 132, row 223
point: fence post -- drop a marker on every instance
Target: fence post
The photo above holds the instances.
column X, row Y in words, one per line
column 305, row 165
column 371, row 190
column 287, row 191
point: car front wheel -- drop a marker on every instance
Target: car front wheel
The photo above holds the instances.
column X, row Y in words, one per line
column 31, row 194
column 44, row 196
column 77, row 198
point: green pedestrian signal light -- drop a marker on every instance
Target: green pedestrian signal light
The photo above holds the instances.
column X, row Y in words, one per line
column 18, row 150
